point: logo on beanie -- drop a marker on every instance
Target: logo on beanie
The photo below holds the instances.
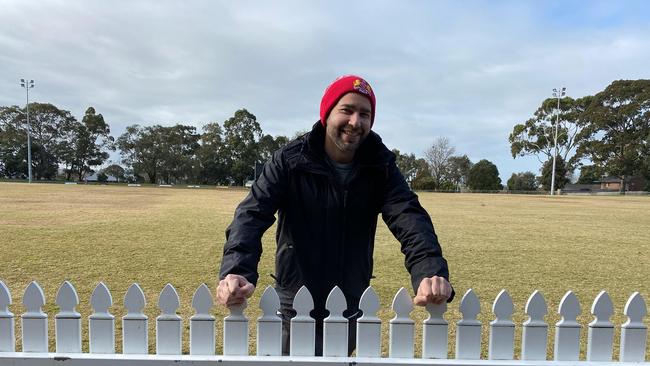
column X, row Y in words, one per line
column 362, row 86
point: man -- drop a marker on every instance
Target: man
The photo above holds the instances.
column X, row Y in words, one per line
column 328, row 188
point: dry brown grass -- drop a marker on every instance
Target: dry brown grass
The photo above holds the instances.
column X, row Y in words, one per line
column 120, row 235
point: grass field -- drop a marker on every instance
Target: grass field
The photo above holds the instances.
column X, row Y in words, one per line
column 119, row 235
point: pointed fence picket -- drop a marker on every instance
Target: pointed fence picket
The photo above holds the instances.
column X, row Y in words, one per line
column 535, row 330
column 169, row 325
column 68, row 320
column 202, row 331
column 567, row 330
column 369, row 325
column 303, row 326
column 34, row 320
column 269, row 325
column 101, row 324
column 600, row 339
column 468, row 329
column 135, row 325
column 7, row 337
column 335, row 326
column 634, row 333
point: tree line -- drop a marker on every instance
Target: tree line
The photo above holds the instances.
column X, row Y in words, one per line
column 606, row 134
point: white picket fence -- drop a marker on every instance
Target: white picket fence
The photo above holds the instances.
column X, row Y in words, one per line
column 101, row 326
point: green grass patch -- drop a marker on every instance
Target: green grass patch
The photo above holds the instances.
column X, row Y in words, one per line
column 120, row 235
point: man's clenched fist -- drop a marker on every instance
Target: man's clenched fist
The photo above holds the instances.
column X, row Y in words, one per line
column 432, row 290
column 234, row 290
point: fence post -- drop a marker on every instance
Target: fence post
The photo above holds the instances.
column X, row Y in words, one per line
column 101, row 324
column 202, row 332
column 535, row 331
column 168, row 324
column 567, row 330
column 401, row 327
column 269, row 325
column 601, row 331
column 135, row 335
column 34, row 321
column 502, row 329
column 7, row 336
column 335, row 326
column 303, row 327
column 235, row 332
column 634, row 333
column 468, row 330
column 369, row 325
column 435, row 332
column 67, row 323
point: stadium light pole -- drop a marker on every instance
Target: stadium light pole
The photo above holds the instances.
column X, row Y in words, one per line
column 28, row 85
column 559, row 93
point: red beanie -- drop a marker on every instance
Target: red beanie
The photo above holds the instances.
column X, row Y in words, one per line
column 341, row 86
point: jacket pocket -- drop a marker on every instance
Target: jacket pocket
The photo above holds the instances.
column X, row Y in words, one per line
column 288, row 274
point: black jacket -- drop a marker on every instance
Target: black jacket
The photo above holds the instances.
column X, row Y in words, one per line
column 325, row 233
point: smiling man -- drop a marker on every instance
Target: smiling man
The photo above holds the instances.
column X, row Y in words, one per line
column 328, row 187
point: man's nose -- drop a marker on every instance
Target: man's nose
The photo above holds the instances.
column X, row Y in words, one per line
column 354, row 119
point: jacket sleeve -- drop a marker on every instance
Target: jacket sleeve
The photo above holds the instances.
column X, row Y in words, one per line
column 412, row 227
column 254, row 215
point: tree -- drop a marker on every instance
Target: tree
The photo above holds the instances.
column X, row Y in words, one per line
column 619, row 120
column 590, row 174
column 561, row 174
column 269, row 144
column 407, row 165
column 536, row 135
column 86, row 145
column 115, row 170
column 484, row 176
column 458, row 171
column 49, row 131
column 437, row 156
column 524, row 181
column 164, row 154
column 422, row 179
column 212, row 156
column 241, row 135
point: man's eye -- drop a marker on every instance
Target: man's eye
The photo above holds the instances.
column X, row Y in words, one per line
column 365, row 115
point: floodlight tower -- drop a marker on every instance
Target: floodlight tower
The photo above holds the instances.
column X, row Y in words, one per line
column 558, row 93
column 28, row 85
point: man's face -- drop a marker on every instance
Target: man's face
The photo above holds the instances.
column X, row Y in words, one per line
column 347, row 126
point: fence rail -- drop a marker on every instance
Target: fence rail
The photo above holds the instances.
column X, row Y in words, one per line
column 203, row 334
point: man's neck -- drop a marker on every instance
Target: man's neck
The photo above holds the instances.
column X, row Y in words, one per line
column 335, row 154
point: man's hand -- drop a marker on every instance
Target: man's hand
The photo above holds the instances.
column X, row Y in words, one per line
column 234, row 290
column 432, row 290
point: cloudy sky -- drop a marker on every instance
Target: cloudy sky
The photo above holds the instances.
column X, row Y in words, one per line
column 466, row 70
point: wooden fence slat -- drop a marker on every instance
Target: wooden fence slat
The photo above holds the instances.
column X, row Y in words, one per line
column 600, row 339
column 135, row 325
column 34, row 320
column 535, row 331
column 303, row 326
column 101, row 323
column 435, row 332
column 567, row 330
column 67, row 323
column 335, row 326
column 7, row 326
column 202, row 323
column 468, row 329
column 235, row 332
column 369, row 325
column 502, row 329
column 169, row 336
column 401, row 327
column 269, row 325
column 634, row 333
